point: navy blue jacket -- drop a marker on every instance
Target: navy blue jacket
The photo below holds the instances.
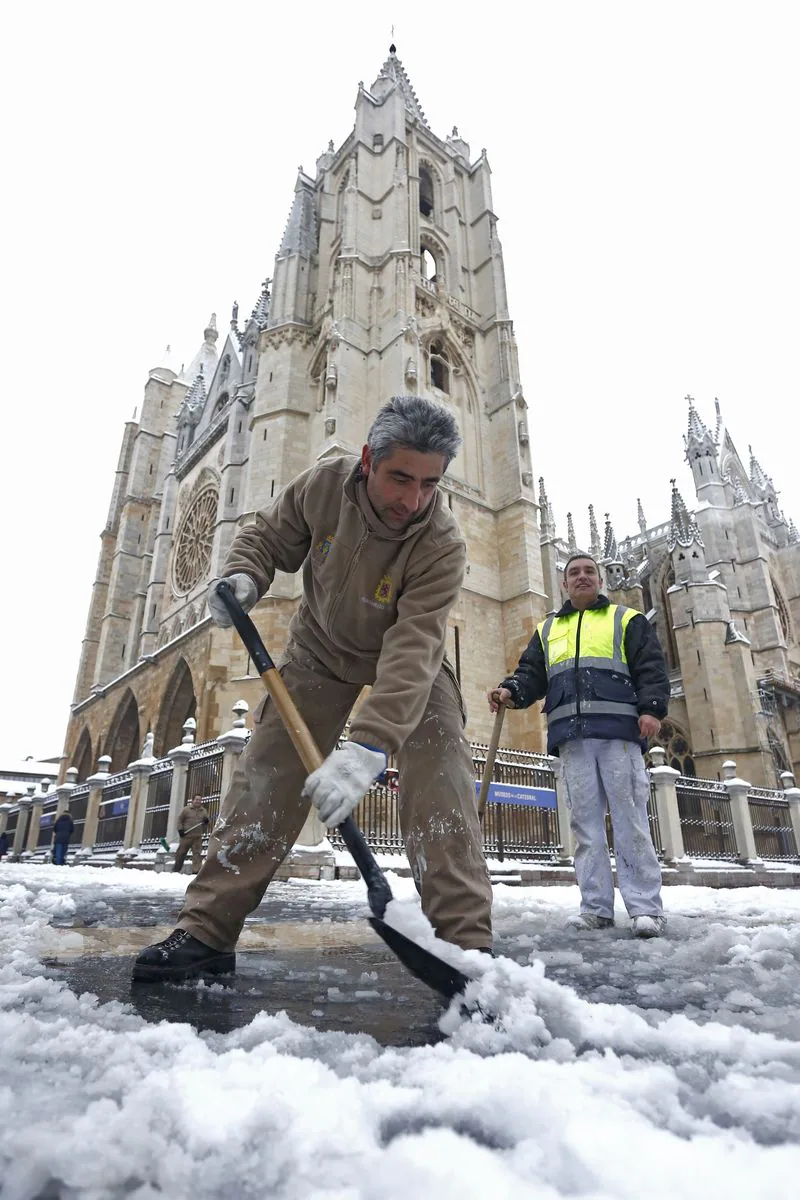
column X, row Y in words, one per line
column 647, row 689
column 63, row 827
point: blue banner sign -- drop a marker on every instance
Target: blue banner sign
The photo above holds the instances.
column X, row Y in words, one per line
column 515, row 793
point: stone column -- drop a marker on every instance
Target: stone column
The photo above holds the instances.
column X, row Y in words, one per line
column 65, row 790
column 791, row 793
column 5, row 809
column 740, row 814
column 24, row 805
column 564, row 824
column 233, row 743
column 137, row 805
column 669, row 818
column 180, row 769
column 36, row 815
column 96, row 784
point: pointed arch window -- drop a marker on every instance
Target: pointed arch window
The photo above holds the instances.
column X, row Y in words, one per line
column 426, row 193
column 783, row 611
column 439, row 367
column 429, row 265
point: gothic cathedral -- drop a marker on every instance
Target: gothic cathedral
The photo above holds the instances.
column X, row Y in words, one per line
column 390, row 279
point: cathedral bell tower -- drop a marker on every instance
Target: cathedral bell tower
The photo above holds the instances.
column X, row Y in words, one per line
column 389, row 279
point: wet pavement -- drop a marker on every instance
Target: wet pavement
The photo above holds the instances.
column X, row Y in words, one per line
column 330, row 970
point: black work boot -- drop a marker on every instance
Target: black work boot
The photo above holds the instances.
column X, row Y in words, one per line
column 181, row 956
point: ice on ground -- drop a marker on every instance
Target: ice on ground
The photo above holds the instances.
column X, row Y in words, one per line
column 558, row 1096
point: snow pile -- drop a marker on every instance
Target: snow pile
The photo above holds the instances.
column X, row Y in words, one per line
column 556, row 1097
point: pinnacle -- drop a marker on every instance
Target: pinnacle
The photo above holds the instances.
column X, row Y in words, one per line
column 610, row 548
column 394, row 70
column 757, row 475
column 683, row 529
column 572, row 544
column 697, row 428
column 594, row 536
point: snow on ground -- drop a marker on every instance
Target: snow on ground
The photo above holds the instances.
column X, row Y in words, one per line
column 680, row 1075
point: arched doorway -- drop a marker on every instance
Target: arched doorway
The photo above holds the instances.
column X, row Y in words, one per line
column 177, row 705
column 123, row 741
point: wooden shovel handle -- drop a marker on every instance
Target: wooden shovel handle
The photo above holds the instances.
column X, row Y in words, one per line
column 491, row 755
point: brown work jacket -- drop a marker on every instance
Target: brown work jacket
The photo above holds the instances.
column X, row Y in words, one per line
column 375, row 601
column 189, row 816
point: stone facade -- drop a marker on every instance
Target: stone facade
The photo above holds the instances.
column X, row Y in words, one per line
column 389, row 279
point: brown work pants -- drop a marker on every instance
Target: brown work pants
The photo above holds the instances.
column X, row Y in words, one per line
column 263, row 812
column 195, row 844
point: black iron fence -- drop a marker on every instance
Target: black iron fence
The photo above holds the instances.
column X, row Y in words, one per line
column 46, row 822
column 706, row 823
column 79, row 800
column 112, row 813
column 204, row 779
column 772, row 825
column 159, row 787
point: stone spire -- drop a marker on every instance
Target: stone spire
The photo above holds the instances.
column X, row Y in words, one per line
column 794, row 536
column 572, row 544
column 718, row 429
column 205, row 361
column 758, row 476
column 610, row 548
column 393, row 74
column 698, row 439
column 683, row 529
column 641, row 518
column 194, row 401
column 300, row 235
column 260, row 313
column 547, row 525
column 594, row 536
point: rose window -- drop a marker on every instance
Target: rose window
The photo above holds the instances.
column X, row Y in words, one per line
column 192, row 554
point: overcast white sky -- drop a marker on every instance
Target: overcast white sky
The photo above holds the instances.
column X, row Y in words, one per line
column 645, row 178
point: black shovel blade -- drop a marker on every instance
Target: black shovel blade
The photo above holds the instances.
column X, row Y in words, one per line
column 446, row 980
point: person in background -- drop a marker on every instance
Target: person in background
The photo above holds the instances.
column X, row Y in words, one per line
column 193, row 821
column 63, row 829
column 602, row 672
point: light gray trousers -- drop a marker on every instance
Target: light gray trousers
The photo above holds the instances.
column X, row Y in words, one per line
column 598, row 774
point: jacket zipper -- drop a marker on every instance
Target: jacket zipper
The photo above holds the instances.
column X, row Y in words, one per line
column 577, row 666
column 337, row 602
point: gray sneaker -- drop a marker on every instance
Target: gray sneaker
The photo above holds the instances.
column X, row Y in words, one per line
column 648, row 927
column 589, row 921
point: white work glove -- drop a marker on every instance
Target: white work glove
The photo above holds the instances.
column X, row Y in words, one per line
column 336, row 787
column 244, row 589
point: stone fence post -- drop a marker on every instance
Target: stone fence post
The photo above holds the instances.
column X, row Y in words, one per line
column 24, row 805
column 565, row 834
column 137, row 805
column 180, row 771
column 96, row 784
column 38, row 798
column 65, row 790
column 792, row 794
column 740, row 815
column 233, row 743
column 5, row 809
column 669, row 817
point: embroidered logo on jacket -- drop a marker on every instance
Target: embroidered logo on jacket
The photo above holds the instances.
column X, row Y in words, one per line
column 322, row 547
column 384, row 591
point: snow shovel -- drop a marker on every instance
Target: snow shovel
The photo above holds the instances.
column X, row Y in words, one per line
column 491, row 755
column 431, row 970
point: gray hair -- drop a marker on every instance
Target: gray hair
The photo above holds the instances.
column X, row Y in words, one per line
column 413, row 423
